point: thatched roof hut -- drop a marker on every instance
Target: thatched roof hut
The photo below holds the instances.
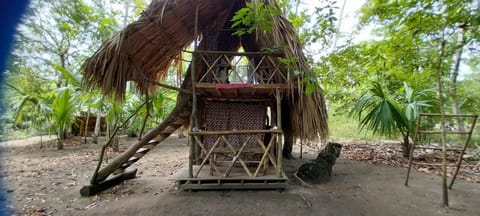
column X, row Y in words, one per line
column 147, row 47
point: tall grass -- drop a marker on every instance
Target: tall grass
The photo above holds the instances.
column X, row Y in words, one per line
column 343, row 126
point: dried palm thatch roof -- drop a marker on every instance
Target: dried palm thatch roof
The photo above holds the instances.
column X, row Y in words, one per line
column 147, row 47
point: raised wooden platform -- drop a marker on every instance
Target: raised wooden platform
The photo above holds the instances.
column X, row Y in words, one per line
column 244, row 92
column 237, row 180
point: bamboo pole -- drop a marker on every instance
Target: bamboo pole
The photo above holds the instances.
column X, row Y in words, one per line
column 193, row 119
column 442, row 121
column 235, row 132
column 279, row 138
column 460, row 158
column 301, row 148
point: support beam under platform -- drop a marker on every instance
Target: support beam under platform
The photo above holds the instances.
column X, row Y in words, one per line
column 237, row 180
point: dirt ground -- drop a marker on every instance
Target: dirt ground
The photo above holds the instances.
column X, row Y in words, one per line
column 47, row 182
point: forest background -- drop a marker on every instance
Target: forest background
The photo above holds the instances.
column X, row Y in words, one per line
column 381, row 53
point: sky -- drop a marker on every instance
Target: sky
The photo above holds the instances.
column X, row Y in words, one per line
column 346, row 24
column 350, row 15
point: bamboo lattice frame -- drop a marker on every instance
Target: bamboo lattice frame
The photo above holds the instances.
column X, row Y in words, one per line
column 265, row 70
column 265, row 150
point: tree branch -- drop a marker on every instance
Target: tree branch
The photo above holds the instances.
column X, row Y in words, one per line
column 157, row 82
column 109, row 142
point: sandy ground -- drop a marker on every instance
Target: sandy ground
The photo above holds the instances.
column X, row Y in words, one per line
column 47, row 182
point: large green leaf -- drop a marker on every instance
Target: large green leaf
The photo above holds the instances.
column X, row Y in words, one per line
column 64, row 108
column 379, row 114
column 72, row 78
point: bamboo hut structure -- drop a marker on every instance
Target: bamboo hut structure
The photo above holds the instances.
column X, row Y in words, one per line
column 233, row 101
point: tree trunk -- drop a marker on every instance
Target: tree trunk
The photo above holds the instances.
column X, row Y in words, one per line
column 96, row 132
column 85, row 132
column 59, row 144
column 60, row 138
column 287, row 131
column 147, row 114
column 406, row 146
column 454, row 75
column 114, row 143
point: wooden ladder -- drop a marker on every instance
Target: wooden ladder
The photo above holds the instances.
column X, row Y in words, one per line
column 418, row 132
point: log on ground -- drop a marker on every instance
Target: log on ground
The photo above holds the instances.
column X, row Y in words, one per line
column 108, row 183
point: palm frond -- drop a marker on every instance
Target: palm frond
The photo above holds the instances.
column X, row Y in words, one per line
column 383, row 116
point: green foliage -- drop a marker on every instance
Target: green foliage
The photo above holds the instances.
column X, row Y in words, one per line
column 469, row 90
column 314, row 20
column 379, row 113
column 413, row 103
column 43, row 76
column 63, row 111
column 342, row 126
column 405, row 49
column 69, row 76
column 254, row 16
column 57, row 36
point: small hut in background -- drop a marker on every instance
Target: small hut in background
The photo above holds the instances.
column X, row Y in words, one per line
column 234, row 94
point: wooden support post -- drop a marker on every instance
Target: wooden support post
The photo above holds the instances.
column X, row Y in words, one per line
column 279, row 138
column 301, row 148
column 190, row 157
column 193, row 117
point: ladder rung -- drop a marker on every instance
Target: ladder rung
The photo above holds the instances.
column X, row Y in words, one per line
column 440, row 132
column 133, row 159
column 142, row 150
column 153, row 142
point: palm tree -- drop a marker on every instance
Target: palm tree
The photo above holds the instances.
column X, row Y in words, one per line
column 379, row 113
column 63, row 108
column 32, row 106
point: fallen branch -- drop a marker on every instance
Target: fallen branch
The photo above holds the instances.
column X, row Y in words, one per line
column 301, row 180
column 307, row 202
column 108, row 183
column 147, row 98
